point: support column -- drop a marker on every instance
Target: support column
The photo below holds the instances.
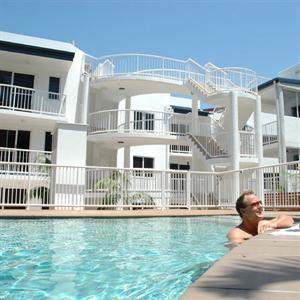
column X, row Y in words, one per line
column 127, row 157
column 67, row 187
column 235, row 142
column 195, row 130
column 127, row 128
column 85, row 99
column 195, row 115
column 280, row 123
column 259, row 148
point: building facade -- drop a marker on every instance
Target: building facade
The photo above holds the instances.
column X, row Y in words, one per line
column 61, row 106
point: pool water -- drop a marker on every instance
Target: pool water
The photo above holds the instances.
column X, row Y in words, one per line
column 144, row 258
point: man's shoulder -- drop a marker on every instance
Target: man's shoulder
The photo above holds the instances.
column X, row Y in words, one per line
column 236, row 231
column 237, row 235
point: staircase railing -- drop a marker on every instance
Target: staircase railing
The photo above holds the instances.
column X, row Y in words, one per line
column 212, row 140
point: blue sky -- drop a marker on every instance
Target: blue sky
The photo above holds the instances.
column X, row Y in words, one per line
column 262, row 35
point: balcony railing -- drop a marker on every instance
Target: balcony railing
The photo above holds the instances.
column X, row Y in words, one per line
column 21, row 156
column 138, row 121
column 269, row 132
column 151, row 66
column 180, row 149
column 30, row 100
column 247, row 144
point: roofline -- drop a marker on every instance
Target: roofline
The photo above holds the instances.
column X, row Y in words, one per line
column 278, row 80
column 37, row 51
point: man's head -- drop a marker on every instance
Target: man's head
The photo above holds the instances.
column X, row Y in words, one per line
column 248, row 205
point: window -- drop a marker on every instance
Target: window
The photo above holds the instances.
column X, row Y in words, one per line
column 53, row 88
column 48, row 141
column 14, row 139
column 5, row 77
column 143, row 163
column 143, row 121
column 295, row 111
column 180, row 167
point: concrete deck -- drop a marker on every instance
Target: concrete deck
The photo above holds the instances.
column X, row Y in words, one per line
column 262, row 268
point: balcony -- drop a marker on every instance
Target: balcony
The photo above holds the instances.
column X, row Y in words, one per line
column 139, row 122
column 21, row 99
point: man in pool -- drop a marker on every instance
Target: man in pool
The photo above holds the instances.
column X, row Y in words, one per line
column 250, row 209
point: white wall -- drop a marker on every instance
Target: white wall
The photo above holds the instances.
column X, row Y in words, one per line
column 292, row 132
column 37, row 133
column 149, row 102
column 292, row 72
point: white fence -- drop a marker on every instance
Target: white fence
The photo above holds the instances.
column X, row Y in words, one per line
column 30, row 100
column 66, row 187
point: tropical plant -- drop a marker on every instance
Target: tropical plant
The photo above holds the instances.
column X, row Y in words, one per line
column 115, row 186
column 41, row 192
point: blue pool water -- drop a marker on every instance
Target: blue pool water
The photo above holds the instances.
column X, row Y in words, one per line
column 145, row 258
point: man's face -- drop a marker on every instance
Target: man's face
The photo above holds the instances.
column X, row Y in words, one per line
column 253, row 209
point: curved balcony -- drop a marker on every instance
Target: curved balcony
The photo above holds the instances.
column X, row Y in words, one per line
column 17, row 98
column 138, row 123
column 140, row 66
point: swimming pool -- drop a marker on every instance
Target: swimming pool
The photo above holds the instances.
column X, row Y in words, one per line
column 143, row 258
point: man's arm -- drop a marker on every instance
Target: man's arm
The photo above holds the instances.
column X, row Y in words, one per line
column 281, row 221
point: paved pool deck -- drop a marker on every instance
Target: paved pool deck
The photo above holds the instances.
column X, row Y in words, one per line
column 262, row 268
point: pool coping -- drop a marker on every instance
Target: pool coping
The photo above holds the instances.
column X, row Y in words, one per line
column 264, row 267
column 139, row 213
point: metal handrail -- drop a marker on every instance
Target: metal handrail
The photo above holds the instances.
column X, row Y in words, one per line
column 222, row 79
column 19, row 98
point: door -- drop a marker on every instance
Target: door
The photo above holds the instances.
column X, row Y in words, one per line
column 5, row 88
column 7, row 140
column 14, row 139
column 23, row 96
column 22, row 142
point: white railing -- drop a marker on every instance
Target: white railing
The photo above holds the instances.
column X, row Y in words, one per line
column 23, row 156
column 30, row 100
column 230, row 79
column 247, row 144
column 180, row 149
column 138, row 121
column 66, row 187
column 132, row 63
column 269, row 133
column 151, row 66
column 212, row 139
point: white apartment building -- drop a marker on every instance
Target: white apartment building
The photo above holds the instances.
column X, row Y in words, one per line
column 60, row 105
